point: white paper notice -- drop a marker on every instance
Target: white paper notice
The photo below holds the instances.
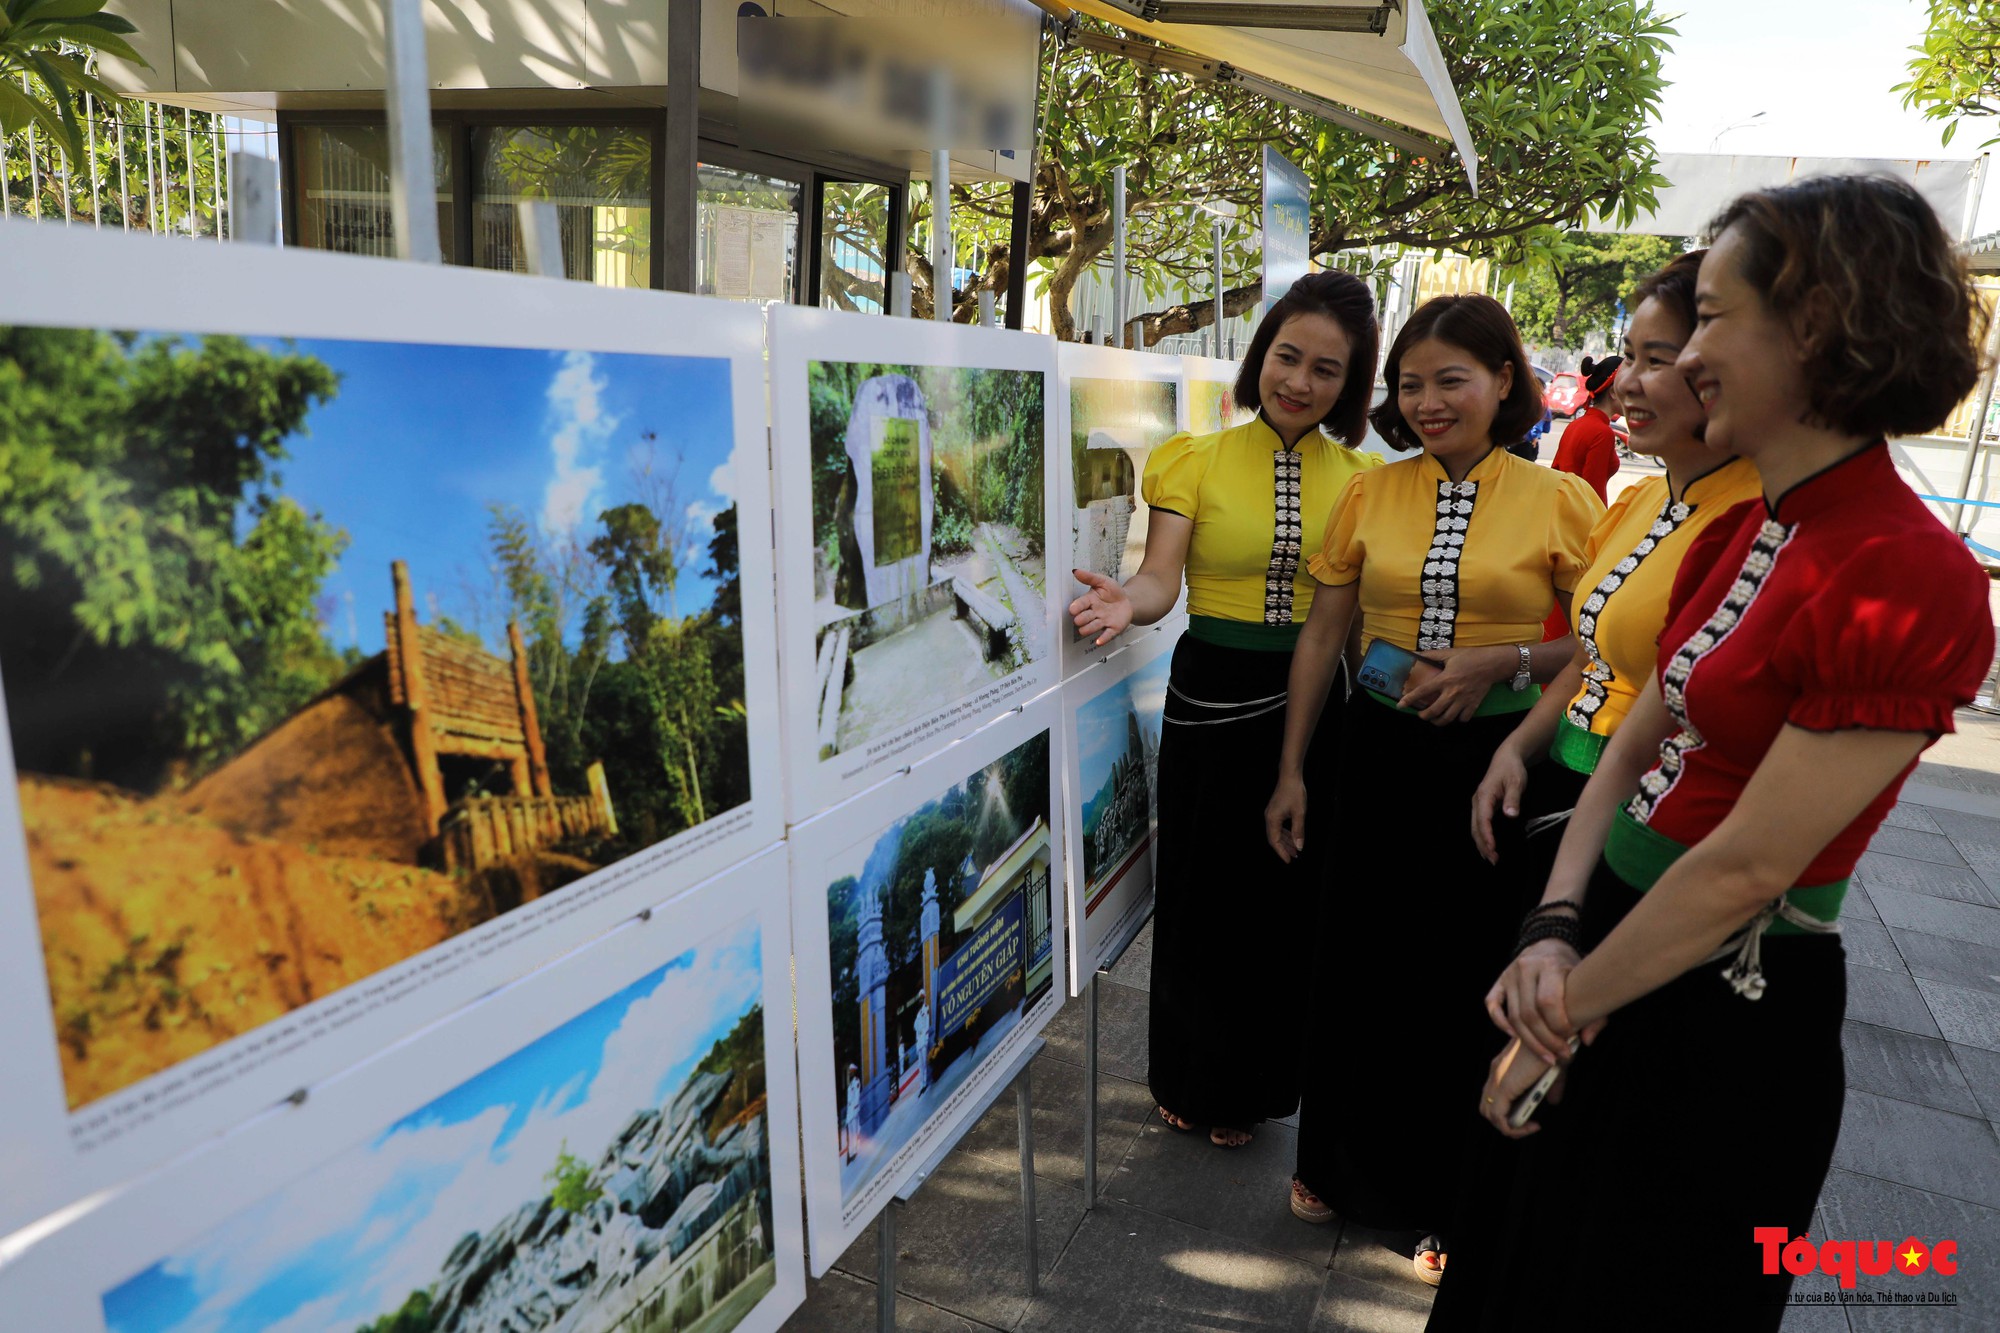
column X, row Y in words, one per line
column 767, row 255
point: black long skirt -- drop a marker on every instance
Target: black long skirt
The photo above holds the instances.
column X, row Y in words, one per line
column 1416, row 927
column 1228, row 993
column 1696, row 1117
column 1552, row 789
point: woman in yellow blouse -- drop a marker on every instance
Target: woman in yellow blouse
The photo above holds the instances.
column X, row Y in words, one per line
column 1635, row 551
column 1452, row 559
column 1229, row 514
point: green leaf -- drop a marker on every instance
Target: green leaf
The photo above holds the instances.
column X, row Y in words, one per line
column 82, row 35
column 39, row 10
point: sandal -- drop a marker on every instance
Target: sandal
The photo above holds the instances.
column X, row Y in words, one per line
column 1177, row 1124
column 1215, row 1133
column 1430, row 1274
column 1307, row 1206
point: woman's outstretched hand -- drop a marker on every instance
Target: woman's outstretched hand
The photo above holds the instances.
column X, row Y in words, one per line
column 1104, row 610
column 1285, row 819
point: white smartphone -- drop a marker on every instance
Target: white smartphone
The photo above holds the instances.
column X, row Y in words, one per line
column 1531, row 1100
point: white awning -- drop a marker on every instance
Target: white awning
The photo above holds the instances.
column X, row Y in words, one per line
column 1701, row 185
column 1397, row 74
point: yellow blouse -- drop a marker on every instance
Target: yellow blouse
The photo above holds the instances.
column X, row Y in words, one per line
column 1635, row 551
column 1251, row 500
column 1446, row 564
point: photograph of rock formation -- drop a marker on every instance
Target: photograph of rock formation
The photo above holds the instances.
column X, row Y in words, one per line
column 613, row 1176
column 319, row 653
column 928, row 563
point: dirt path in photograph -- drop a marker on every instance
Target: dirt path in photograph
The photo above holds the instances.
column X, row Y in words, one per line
column 165, row 935
column 936, row 659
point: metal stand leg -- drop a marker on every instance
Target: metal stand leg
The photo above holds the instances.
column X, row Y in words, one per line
column 1090, row 1092
column 885, row 1270
column 1024, row 1107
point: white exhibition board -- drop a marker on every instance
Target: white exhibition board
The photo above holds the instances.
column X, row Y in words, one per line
column 916, row 499
column 295, row 575
column 1112, row 718
column 929, row 949
column 1116, row 406
column 628, row 1112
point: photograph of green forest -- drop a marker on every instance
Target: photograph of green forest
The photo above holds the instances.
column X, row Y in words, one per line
column 929, row 573
column 317, row 653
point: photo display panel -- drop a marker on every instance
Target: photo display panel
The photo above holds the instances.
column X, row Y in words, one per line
column 1113, row 718
column 1209, row 390
column 1118, row 406
column 916, row 477
column 930, row 950
column 372, row 633
column 607, row 1143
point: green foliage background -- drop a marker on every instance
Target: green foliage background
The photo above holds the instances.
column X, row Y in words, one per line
column 162, row 595
column 986, row 449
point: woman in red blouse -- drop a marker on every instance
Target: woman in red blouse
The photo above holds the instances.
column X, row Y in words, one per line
column 1589, row 448
column 1816, row 642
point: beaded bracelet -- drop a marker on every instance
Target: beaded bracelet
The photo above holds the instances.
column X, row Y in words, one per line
column 1548, row 928
column 1559, row 905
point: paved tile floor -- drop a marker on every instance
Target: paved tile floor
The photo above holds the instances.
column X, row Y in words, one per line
column 1185, row 1236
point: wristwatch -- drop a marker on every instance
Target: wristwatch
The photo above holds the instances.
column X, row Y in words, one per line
column 1522, row 680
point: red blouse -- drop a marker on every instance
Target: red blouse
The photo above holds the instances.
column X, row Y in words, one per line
column 1589, row 449
column 1847, row 606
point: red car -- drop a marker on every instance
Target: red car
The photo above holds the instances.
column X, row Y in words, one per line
column 1566, row 395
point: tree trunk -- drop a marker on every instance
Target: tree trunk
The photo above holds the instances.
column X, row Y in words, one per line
column 1193, row 315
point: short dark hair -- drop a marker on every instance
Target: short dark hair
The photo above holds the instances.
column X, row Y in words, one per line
column 1672, row 287
column 1346, row 300
column 1482, row 326
column 1874, row 290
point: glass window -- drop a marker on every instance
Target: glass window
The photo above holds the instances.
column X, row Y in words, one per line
column 747, row 234
column 343, row 188
column 600, row 178
column 854, row 241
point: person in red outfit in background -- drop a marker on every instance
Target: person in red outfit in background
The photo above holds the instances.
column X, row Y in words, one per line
column 1588, row 447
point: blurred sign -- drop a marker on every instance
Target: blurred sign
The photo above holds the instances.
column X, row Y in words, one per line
column 1287, row 225
column 875, row 85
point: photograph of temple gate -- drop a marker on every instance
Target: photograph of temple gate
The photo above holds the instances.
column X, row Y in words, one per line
column 941, row 939
column 612, row 1176
column 1118, row 759
column 928, row 565
column 1113, row 426
column 317, row 654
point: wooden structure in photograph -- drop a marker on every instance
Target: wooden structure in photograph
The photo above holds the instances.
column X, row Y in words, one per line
column 360, row 770
column 458, row 699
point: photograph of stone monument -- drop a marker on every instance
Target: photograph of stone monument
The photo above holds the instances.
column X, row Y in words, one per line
column 941, row 938
column 319, row 653
column 613, row 1174
column 929, row 578
column 1113, row 426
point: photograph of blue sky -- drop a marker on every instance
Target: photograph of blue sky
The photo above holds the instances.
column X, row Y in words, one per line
column 1100, row 724
column 349, row 1242
column 422, row 438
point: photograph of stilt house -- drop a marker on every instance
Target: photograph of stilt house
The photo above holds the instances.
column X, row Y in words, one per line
column 242, row 791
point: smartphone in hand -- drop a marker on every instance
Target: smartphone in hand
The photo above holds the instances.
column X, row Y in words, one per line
column 1531, row 1100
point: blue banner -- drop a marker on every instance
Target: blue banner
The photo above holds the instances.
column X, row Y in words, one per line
column 1287, row 225
column 980, row 967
